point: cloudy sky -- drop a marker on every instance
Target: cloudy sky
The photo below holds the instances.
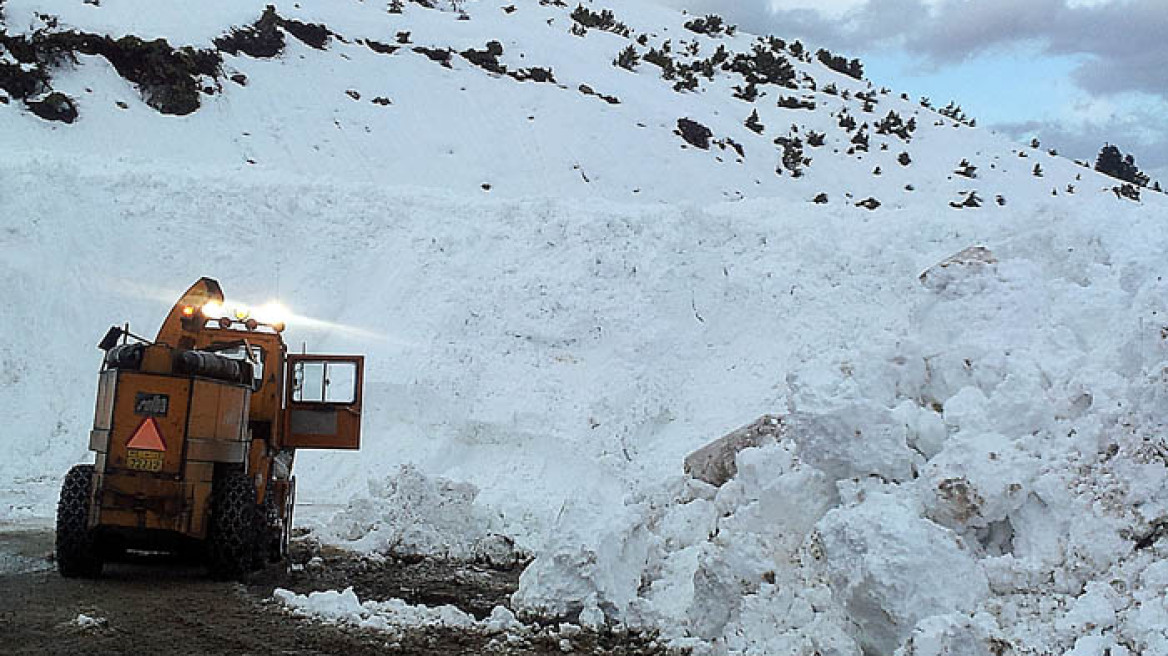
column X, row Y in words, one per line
column 1074, row 73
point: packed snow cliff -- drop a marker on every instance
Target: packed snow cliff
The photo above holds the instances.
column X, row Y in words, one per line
column 962, row 340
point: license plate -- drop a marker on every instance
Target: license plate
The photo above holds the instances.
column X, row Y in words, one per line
column 143, row 460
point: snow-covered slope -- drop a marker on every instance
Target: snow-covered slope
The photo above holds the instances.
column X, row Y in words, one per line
column 458, row 126
column 560, row 298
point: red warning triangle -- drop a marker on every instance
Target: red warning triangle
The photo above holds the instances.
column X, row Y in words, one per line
column 147, row 437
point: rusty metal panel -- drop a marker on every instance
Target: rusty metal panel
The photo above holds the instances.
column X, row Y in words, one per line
column 95, row 491
column 103, row 415
column 143, row 397
column 143, row 501
column 313, row 422
column 200, row 506
column 158, row 359
column 99, row 440
column 204, row 413
column 218, row 411
column 216, row 450
column 233, row 413
column 197, row 472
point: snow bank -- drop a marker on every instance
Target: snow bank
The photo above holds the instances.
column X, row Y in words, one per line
column 562, row 357
column 343, row 607
column 410, row 514
column 982, row 487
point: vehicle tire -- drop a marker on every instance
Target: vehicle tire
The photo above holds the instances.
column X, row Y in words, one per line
column 275, row 524
column 232, row 533
column 266, row 548
column 77, row 553
column 286, row 519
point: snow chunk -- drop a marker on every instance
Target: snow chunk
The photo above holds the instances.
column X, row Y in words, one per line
column 958, row 270
column 343, row 607
column 956, row 635
column 702, row 564
column 88, row 623
column 884, row 563
column 855, row 440
column 858, row 439
column 409, row 514
column 587, row 559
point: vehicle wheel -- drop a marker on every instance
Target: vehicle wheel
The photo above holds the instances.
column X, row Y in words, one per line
column 286, row 519
column 275, row 523
column 267, row 545
column 232, row 533
column 77, row 554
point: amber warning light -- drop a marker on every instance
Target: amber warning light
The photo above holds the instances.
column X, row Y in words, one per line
column 272, row 315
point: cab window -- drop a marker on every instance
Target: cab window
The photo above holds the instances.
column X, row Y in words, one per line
column 324, row 382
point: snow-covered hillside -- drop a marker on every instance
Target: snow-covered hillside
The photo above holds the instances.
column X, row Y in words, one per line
column 561, row 296
column 399, row 99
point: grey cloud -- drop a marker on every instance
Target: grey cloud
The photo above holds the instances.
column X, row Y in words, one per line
column 1083, row 142
column 1116, row 75
column 957, row 29
column 1123, row 42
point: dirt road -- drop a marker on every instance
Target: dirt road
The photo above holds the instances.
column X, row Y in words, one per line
column 152, row 605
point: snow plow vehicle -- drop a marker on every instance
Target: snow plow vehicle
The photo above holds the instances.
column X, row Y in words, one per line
column 195, row 434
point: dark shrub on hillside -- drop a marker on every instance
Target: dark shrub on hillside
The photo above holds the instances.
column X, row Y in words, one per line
column 167, row 77
column 602, row 20
column 1128, row 191
column 791, row 102
column 711, row 25
column 440, row 55
column 261, row 39
column 971, row 200
column 54, row 107
column 694, row 133
column 687, row 81
column 893, row 124
column 860, row 140
column 853, row 68
column 312, row 34
column 792, row 159
column 753, row 124
column 627, row 58
column 661, row 59
column 487, row 59
column 749, row 93
column 1117, row 165
column 763, row 66
column 846, row 121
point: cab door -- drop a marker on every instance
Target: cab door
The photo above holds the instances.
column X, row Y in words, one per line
column 323, row 401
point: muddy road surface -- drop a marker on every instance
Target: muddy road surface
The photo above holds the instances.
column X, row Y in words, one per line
column 152, row 604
